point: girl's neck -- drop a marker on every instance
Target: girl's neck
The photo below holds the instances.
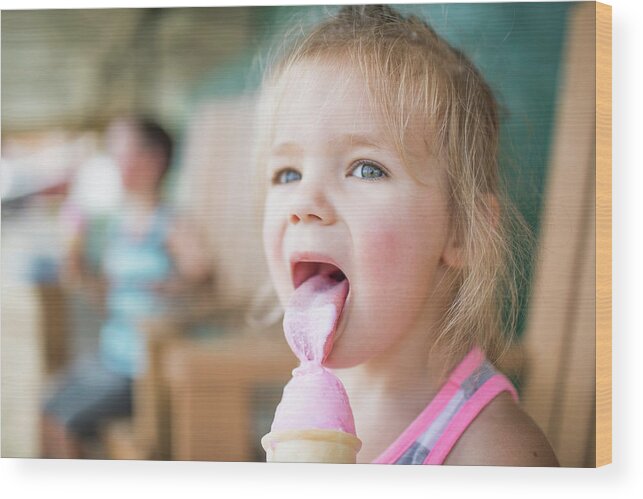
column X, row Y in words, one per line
column 414, row 370
column 416, row 363
column 387, row 394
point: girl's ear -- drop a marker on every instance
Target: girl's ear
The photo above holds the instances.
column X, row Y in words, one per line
column 493, row 206
column 453, row 254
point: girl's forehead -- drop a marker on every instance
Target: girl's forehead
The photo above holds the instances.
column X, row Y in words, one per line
column 313, row 98
column 326, row 87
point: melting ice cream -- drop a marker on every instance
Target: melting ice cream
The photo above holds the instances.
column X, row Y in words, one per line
column 314, row 398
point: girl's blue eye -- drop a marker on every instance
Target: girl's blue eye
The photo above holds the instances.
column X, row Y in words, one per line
column 367, row 170
column 286, row 176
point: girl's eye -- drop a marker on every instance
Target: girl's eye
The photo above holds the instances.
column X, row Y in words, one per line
column 367, row 170
column 286, row 176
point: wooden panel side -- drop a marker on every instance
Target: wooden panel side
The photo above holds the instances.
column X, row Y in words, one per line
column 552, row 315
column 603, row 234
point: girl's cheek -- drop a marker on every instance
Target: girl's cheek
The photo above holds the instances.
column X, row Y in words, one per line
column 271, row 246
column 273, row 251
column 383, row 252
column 394, row 263
column 268, row 235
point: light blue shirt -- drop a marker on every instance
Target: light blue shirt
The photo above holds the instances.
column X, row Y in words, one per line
column 133, row 265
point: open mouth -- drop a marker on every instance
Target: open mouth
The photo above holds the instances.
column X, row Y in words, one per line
column 302, row 271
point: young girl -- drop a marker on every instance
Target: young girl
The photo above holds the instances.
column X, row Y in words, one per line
column 379, row 142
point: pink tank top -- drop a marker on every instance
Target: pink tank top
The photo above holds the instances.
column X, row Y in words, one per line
column 472, row 385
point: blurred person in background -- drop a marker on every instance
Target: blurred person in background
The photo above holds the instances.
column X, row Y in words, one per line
column 149, row 257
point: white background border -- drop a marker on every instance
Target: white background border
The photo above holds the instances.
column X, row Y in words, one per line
column 98, row 479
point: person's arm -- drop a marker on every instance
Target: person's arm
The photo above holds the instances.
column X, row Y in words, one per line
column 190, row 287
column 188, row 248
column 77, row 274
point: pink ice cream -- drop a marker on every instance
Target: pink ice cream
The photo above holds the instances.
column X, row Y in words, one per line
column 314, row 397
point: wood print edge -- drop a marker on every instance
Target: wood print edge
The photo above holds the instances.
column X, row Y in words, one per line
column 603, row 234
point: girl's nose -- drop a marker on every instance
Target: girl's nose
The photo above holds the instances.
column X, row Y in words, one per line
column 311, row 205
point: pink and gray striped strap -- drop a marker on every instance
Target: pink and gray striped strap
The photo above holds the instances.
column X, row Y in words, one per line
column 472, row 385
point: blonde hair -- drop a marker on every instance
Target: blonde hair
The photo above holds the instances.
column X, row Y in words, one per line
column 412, row 72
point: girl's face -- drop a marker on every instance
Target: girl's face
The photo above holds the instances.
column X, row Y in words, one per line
column 339, row 193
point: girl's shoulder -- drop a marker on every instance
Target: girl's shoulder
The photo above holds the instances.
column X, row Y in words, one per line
column 502, row 435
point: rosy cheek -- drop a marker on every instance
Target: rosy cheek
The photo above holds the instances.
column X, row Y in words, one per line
column 384, row 241
column 382, row 252
column 395, row 258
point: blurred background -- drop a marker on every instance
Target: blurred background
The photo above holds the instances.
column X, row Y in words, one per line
column 217, row 360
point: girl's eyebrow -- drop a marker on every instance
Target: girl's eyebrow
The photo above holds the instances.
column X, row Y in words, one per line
column 286, row 149
column 356, row 140
column 344, row 141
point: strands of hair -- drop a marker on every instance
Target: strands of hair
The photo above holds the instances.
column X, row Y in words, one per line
column 420, row 83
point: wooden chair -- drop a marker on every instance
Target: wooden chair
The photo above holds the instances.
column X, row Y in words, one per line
column 54, row 332
column 203, row 398
column 144, row 435
column 223, row 396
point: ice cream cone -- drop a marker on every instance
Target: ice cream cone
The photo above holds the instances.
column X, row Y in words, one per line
column 311, row 446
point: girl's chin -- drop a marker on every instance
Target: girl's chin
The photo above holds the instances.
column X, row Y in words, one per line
column 337, row 362
column 339, row 358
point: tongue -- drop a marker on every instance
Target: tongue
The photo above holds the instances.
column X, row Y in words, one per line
column 312, row 315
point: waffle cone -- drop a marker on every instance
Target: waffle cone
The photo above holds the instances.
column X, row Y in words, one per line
column 311, row 446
